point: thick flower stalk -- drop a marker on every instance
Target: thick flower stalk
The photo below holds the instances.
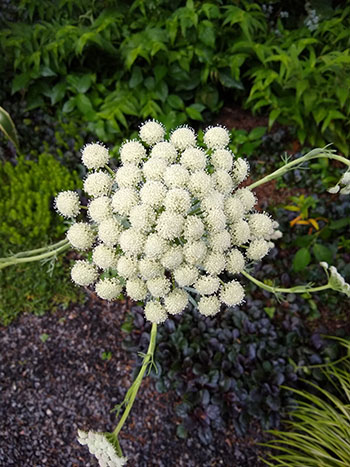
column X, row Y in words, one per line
column 172, row 219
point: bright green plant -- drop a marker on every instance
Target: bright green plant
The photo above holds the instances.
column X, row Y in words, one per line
column 244, row 144
column 319, row 431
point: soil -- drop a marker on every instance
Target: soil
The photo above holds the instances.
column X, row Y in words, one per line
column 55, row 380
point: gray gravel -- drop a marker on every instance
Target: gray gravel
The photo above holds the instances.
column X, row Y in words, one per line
column 53, row 380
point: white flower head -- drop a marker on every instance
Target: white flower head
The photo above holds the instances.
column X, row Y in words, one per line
column 240, row 170
column 183, row 138
column 158, row 287
column 223, row 181
column 99, row 209
column 207, row 285
column 235, row 262
column 170, row 225
column 142, row 217
column 108, row 289
column 83, row 273
column 213, row 201
column 260, row 225
column 234, row 209
column 98, row 184
column 152, row 132
column 109, row 231
column 246, row 197
column 164, row 150
column 240, row 232
column 258, row 249
column 194, row 252
column 127, row 266
column 232, row 293
column 178, row 200
column 95, row 156
column 131, row 241
column 337, row 281
column 153, row 193
column 154, row 168
column 220, row 241
column 172, row 258
column 200, row 184
column 81, row 236
column 67, row 203
column 222, row 159
column 194, row 159
column 155, row 312
column 155, row 246
column 132, row 152
column 209, row 306
column 104, row 257
column 101, row 448
column 128, row 176
column 136, row 289
column 176, row 301
column 186, row 275
column 215, row 220
column 193, row 228
column 216, row 137
column 150, row 268
column 123, row 200
column 176, row 176
column 214, row 263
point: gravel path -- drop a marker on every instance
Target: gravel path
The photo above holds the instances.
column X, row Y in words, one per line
column 54, row 380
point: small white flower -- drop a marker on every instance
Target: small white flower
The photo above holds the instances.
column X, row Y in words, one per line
column 108, row 289
column 83, row 273
column 132, row 152
column 67, row 203
column 260, row 225
column 232, row 293
column 151, row 132
column 136, row 289
column 234, row 209
column 149, row 269
column 222, row 159
column 95, row 156
column 207, row 285
column 101, row 448
column 215, row 220
column 98, row 184
column 214, row 263
column 240, row 170
column 345, row 190
column 216, row 137
column 337, row 282
column 104, row 257
column 209, row 306
column 220, row 241
column 185, row 275
column 178, row 200
column 200, row 184
column 169, row 225
column 155, row 312
column 240, row 232
column 194, row 159
column 127, row 266
column 246, row 197
column 176, row 301
column 154, row 168
column 258, row 249
column 183, row 138
column 223, row 181
column 142, row 217
column 99, row 209
column 131, row 241
column 158, row 287
column 172, row 258
column 235, row 262
column 176, row 176
column 155, row 246
column 194, row 252
column 128, row 176
column 334, row 189
column 213, row 201
column 81, row 236
column 193, row 228
column 109, row 231
column 164, row 150
column 153, row 193
column 123, row 200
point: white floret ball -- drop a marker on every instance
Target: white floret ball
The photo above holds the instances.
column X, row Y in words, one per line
column 109, row 231
column 235, row 262
column 216, row 137
column 178, row 200
column 81, row 236
column 127, row 266
column 232, row 293
column 176, row 176
column 183, row 138
column 246, row 197
column 240, row 232
column 154, row 168
column 170, row 225
column 260, row 225
column 98, row 184
column 164, row 150
column 193, row 228
column 83, row 273
column 142, row 217
column 172, row 258
column 234, row 209
column 222, row 159
column 153, row 193
column 220, row 241
column 104, row 257
column 257, row 249
column 207, row 285
column 209, row 306
column 158, row 287
column 132, row 152
column 132, row 241
column 214, row 200
column 155, row 312
column 152, row 132
column 176, row 301
column 194, row 252
column 123, row 200
column 99, row 209
column 240, row 170
column 214, row 263
column 215, row 220
column 150, row 268
column 128, row 176
column 223, row 181
column 67, row 203
column 136, row 289
column 186, row 275
column 155, row 246
column 95, row 156
column 200, row 184
column 194, row 159
column 108, row 288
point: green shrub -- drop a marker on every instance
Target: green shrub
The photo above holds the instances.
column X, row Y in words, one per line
column 26, row 197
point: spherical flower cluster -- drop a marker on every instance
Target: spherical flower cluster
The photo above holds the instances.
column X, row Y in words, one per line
column 101, row 448
column 335, row 280
column 169, row 223
column 94, row 156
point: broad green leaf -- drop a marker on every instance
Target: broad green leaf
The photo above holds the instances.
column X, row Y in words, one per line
column 340, row 223
column 274, row 114
column 20, row 82
column 8, row 127
column 175, row 102
column 84, row 83
column 322, row 253
column 69, row 105
column 193, row 113
column 84, row 105
column 136, row 77
column 229, row 82
column 206, row 33
column 57, row 93
column 257, row 133
column 301, row 259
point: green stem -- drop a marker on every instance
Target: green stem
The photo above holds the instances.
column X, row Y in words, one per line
column 314, row 154
column 109, row 170
column 132, row 392
column 12, row 260
column 296, row 289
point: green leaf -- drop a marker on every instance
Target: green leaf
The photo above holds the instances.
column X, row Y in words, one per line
column 84, row 83
column 175, row 102
column 274, row 114
column 8, row 127
column 84, row 105
column 69, row 105
column 136, row 77
column 194, row 114
column 57, row 93
column 270, row 311
column 181, row 432
column 301, row 259
column 322, row 253
column 257, row 133
column 228, row 81
column 340, row 223
column 44, row 337
column 206, row 33
column 20, row 82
